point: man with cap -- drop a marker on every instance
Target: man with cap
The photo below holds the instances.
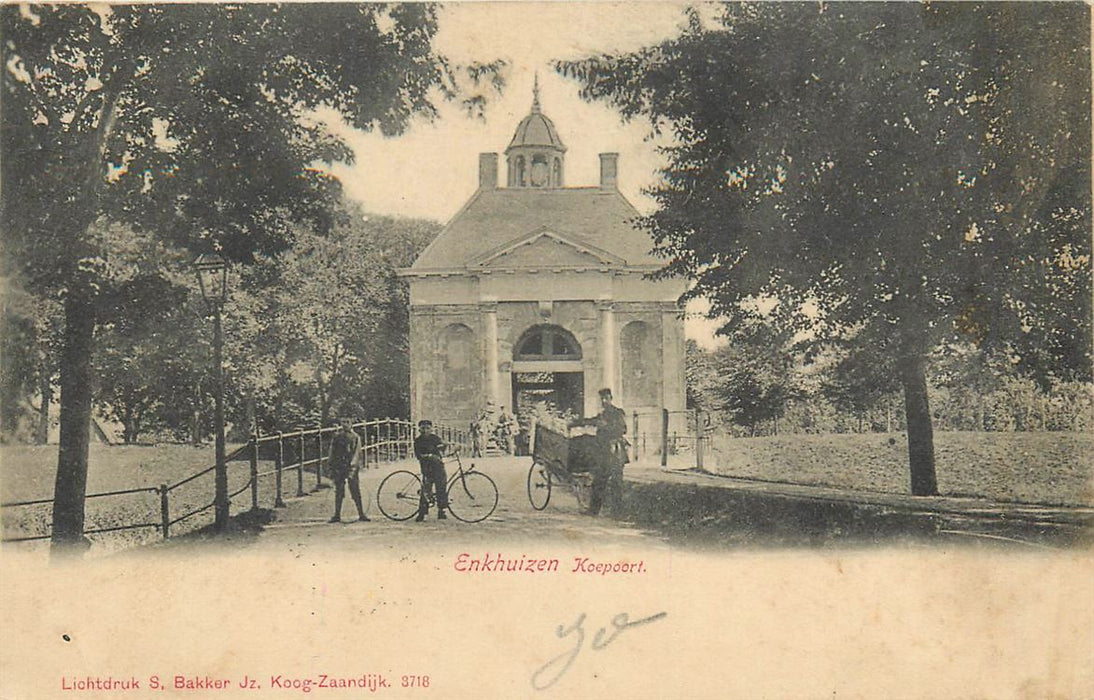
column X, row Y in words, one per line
column 344, row 460
column 429, row 449
column 611, row 426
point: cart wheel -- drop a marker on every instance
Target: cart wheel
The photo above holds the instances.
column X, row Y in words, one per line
column 539, row 486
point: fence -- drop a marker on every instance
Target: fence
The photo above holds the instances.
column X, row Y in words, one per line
column 292, row 454
column 659, row 433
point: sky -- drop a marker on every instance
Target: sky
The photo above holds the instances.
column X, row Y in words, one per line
column 432, row 170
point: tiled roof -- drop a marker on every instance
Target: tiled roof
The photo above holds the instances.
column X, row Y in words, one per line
column 494, row 218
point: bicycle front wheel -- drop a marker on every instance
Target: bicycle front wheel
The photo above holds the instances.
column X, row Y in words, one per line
column 398, row 495
column 472, row 497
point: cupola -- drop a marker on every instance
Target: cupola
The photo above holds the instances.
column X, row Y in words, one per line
column 535, row 156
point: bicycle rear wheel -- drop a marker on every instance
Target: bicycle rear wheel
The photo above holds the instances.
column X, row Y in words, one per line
column 539, row 486
column 398, row 495
column 472, row 496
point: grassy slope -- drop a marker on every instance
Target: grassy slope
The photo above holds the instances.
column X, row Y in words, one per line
column 28, row 473
column 1051, row 468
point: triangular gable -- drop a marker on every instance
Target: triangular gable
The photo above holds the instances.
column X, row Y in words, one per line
column 545, row 248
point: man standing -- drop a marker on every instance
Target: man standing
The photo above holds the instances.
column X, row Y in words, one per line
column 429, row 449
column 505, row 432
column 611, row 426
column 476, row 437
column 345, row 460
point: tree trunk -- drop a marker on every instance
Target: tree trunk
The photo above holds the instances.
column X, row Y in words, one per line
column 70, row 489
column 920, row 432
column 45, row 388
column 71, row 484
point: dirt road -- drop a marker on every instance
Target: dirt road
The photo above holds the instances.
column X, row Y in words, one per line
column 303, row 523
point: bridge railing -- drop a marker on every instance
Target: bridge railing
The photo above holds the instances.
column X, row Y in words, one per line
column 277, row 463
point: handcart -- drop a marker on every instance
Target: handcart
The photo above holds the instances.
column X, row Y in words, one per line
column 561, row 460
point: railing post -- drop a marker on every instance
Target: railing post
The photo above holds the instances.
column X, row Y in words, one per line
column 165, row 511
column 664, row 437
column 319, row 459
column 254, row 470
column 364, row 445
column 698, row 439
column 634, row 433
column 386, row 440
column 300, row 467
column 279, row 464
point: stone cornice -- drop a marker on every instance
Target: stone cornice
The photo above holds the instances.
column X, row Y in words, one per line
column 444, row 309
column 481, row 272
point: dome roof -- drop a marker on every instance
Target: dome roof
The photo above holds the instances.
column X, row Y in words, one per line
column 536, row 129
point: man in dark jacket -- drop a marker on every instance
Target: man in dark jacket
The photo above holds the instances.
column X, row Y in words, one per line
column 611, row 426
column 344, row 460
column 429, row 449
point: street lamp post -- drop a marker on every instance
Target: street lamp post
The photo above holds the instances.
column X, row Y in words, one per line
column 213, row 279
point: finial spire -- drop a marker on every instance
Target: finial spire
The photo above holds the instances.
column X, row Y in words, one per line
column 535, row 93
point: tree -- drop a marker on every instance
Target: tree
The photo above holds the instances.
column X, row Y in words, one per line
column 754, row 378
column 329, row 318
column 188, row 121
column 858, row 382
column 910, row 173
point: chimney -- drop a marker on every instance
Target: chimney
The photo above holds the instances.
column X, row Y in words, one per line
column 488, row 171
column 609, row 168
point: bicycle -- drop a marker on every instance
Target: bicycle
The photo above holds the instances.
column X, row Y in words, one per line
column 472, row 495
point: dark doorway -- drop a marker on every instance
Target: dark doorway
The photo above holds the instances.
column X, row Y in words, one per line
column 560, row 391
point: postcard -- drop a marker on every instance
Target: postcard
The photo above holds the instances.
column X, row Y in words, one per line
column 547, row 350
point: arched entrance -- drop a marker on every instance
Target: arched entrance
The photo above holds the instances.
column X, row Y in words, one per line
column 547, row 370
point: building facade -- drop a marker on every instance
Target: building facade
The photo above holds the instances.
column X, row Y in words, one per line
column 536, row 293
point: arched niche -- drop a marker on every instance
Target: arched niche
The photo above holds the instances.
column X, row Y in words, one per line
column 639, row 370
column 458, row 362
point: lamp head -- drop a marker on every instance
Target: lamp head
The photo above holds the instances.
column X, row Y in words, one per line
column 212, row 274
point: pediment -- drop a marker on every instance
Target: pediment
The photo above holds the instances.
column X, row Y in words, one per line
column 546, row 248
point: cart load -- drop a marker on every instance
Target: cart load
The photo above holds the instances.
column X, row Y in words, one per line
column 575, row 455
column 563, row 460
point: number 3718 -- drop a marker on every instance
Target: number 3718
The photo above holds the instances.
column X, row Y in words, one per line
column 415, row 681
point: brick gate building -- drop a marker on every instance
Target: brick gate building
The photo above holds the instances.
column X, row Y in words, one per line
column 535, row 292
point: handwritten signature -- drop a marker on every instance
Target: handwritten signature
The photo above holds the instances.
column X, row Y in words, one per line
column 549, row 673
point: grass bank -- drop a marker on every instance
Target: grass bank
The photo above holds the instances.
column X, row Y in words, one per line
column 28, row 473
column 1047, row 468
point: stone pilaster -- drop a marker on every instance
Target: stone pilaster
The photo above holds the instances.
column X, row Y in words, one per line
column 489, row 310
column 608, row 351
